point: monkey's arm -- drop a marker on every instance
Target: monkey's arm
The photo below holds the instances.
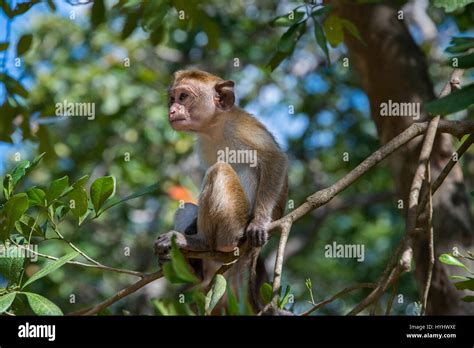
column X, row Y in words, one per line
column 272, row 175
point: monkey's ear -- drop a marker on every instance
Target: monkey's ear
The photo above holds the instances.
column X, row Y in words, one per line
column 225, row 97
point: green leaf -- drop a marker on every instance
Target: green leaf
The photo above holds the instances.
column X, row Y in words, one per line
column 35, row 162
column 13, row 86
column 19, row 171
column 24, row 44
column 97, row 13
column 160, row 307
column 41, row 305
column 170, row 274
column 101, row 190
column 7, row 186
column 27, row 226
column 465, row 285
column 322, row 11
column 287, row 44
column 451, row 260
column 130, row 24
column 23, row 7
column 4, row 45
column 460, row 44
column 468, row 299
column 276, row 59
column 57, row 188
column 51, row 5
column 266, row 292
column 351, row 28
column 50, row 267
column 15, row 207
column 36, row 196
column 215, row 293
column 451, row 5
column 12, row 265
column 286, row 297
column 456, row 277
column 321, row 39
column 81, row 181
column 462, row 62
column 232, row 303
column 200, row 300
column 333, row 28
column 6, row 301
column 6, row 9
column 139, row 193
column 288, row 19
column 290, row 37
column 455, row 101
column 79, row 198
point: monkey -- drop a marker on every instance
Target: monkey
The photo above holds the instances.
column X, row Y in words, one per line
column 238, row 201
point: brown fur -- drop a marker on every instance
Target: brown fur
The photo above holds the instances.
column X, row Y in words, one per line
column 237, row 201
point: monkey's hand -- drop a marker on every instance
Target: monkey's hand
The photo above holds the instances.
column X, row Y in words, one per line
column 163, row 244
column 257, row 233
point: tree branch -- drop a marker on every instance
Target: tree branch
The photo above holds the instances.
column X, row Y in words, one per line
column 121, row 294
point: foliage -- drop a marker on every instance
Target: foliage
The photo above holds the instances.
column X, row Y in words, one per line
column 462, row 282
column 36, row 213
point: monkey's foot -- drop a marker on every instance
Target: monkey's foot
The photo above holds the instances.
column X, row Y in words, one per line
column 257, row 234
column 163, row 244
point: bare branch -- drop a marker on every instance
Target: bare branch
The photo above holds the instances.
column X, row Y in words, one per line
column 82, row 264
column 429, row 231
column 121, row 294
column 401, row 260
column 339, row 294
column 285, row 232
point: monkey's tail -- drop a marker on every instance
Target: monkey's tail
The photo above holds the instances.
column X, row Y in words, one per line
column 254, row 292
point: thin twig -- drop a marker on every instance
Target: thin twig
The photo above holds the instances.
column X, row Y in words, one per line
column 83, row 254
column 339, row 294
column 429, row 231
column 391, row 299
column 88, row 265
column 121, row 294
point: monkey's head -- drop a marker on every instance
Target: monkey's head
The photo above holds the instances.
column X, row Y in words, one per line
column 195, row 97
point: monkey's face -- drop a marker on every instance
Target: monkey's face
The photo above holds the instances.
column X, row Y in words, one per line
column 189, row 107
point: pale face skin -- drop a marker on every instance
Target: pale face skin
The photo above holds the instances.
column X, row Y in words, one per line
column 190, row 109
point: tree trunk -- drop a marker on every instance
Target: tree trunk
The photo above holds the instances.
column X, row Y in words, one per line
column 392, row 67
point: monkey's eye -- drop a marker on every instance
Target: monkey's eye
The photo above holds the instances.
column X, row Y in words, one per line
column 183, row 96
column 171, row 100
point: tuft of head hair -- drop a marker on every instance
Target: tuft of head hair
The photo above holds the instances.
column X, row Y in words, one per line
column 195, row 74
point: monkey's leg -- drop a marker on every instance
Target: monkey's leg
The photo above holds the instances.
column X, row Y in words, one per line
column 223, row 211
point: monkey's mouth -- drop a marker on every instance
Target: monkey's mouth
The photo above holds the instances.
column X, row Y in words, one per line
column 174, row 120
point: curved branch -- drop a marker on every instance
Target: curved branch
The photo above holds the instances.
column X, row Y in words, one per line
column 121, row 294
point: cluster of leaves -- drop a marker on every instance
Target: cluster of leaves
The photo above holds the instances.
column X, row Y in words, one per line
column 18, row 225
column 12, row 269
column 462, row 282
column 297, row 20
column 451, row 5
column 463, row 98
